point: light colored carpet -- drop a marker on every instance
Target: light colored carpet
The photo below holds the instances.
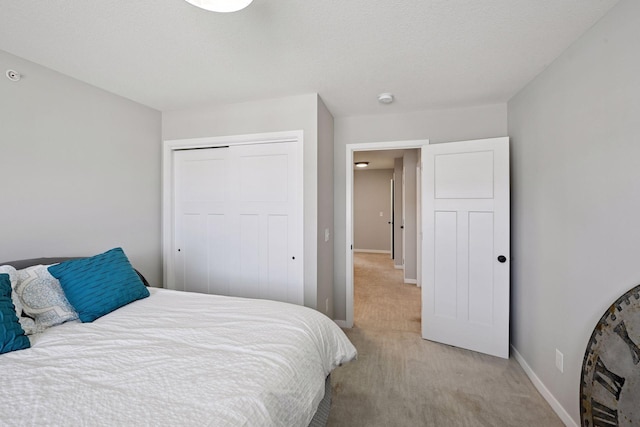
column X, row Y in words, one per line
column 400, row 379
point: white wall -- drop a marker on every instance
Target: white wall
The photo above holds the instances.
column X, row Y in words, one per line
column 325, row 209
column 79, row 170
column 436, row 125
column 371, row 196
column 273, row 115
column 575, row 197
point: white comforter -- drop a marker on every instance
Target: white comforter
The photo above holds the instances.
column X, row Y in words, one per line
column 175, row 359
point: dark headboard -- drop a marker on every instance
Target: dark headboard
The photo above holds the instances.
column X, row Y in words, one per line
column 24, row 263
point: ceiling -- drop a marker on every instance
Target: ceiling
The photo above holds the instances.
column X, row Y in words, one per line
column 169, row 55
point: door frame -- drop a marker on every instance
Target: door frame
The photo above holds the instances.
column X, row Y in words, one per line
column 168, row 149
column 419, row 220
column 392, row 215
column 350, row 149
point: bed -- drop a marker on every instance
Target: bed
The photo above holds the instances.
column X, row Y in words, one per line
column 176, row 358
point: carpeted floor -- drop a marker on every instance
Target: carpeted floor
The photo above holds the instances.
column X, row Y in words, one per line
column 400, row 379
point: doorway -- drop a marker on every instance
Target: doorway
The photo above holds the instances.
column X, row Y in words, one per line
column 465, row 247
column 351, row 150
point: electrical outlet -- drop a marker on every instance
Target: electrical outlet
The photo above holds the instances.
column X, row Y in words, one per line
column 381, row 213
column 559, row 361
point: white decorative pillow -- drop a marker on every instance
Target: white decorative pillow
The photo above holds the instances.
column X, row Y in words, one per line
column 42, row 297
column 28, row 325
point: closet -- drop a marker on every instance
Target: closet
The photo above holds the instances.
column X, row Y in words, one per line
column 236, row 226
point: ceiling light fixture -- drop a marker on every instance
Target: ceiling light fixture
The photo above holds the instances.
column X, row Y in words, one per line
column 362, row 164
column 385, row 98
column 221, row 5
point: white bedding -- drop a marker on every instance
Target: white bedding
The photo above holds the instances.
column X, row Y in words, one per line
column 175, row 359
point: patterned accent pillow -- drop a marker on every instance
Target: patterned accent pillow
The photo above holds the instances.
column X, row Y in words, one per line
column 28, row 325
column 98, row 285
column 42, row 298
column 12, row 335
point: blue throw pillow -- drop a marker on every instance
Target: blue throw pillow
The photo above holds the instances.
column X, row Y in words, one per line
column 98, row 285
column 12, row 335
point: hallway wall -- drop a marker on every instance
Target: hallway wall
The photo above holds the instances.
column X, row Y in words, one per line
column 372, row 210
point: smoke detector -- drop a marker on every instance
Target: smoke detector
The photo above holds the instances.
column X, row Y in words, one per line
column 385, row 98
column 14, row 76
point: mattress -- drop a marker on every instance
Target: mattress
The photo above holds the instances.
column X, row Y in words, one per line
column 176, row 358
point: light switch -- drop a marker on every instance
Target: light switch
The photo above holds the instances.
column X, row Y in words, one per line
column 381, row 213
column 326, row 234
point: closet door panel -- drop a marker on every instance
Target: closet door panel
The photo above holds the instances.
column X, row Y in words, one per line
column 248, row 273
column 200, row 211
column 218, row 254
column 277, row 259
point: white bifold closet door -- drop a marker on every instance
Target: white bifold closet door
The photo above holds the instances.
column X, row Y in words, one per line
column 237, row 227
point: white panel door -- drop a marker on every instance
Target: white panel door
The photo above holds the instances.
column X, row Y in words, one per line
column 201, row 214
column 266, row 206
column 238, row 228
column 465, row 267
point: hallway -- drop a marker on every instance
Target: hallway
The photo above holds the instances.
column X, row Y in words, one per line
column 381, row 300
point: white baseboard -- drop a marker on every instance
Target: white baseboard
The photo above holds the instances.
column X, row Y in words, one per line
column 372, row 251
column 398, row 267
column 411, row 281
column 544, row 391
